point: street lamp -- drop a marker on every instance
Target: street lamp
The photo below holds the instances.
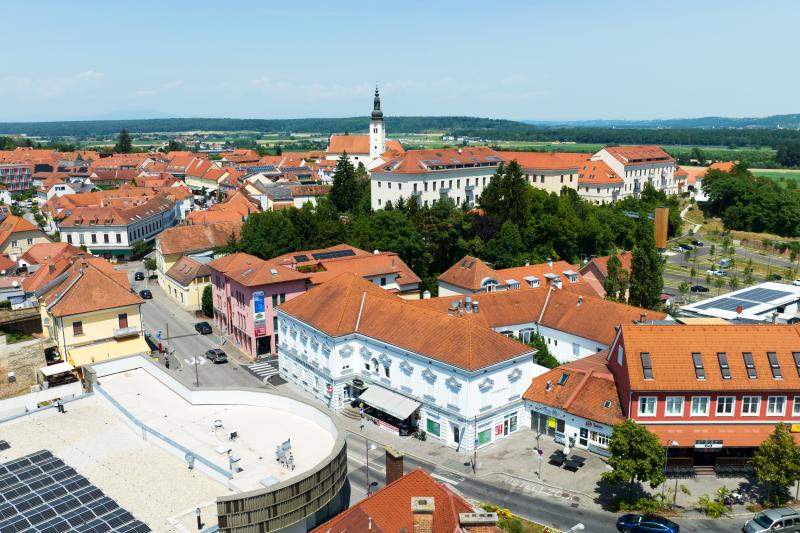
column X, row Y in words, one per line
column 666, row 458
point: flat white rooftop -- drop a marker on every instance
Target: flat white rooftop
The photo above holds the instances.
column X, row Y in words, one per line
column 756, row 303
column 154, row 485
column 260, row 428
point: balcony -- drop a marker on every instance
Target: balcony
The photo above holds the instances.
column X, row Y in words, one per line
column 123, row 333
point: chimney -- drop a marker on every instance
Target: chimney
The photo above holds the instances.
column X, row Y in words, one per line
column 580, row 300
column 422, row 510
column 478, row 522
column 643, row 318
column 51, row 267
column 394, row 464
column 527, row 262
column 468, row 305
column 549, row 262
column 475, row 306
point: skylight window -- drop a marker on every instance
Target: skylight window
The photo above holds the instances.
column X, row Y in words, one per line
column 607, row 404
column 563, row 379
column 796, row 356
column 647, row 367
column 750, row 365
column 774, row 366
column 699, row 371
column 722, row 357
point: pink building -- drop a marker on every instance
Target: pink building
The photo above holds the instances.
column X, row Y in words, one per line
column 245, row 291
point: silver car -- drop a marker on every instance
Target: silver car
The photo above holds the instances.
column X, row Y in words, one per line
column 783, row 520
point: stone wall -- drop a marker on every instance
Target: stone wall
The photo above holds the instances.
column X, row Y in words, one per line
column 24, row 359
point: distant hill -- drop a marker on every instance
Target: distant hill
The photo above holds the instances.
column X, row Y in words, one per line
column 771, row 122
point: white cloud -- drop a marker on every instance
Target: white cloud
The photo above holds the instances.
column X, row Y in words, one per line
column 90, row 75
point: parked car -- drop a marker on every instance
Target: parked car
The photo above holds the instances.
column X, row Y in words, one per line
column 718, row 273
column 216, row 355
column 796, row 283
column 686, row 247
column 139, row 276
column 774, row 277
column 698, row 243
column 724, row 263
column 146, row 294
column 781, row 520
column 677, row 249
column 203, row 328
column 646, row 523
column 699, row 288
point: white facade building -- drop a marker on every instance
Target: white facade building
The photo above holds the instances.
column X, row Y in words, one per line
column 640, row 165
column 460, row 392
column 432, row 175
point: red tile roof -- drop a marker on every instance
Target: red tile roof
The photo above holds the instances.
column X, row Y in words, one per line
column 186, row 269
column 349, row 304
column 424, row 161
column 91, row 285
column 470, row 273
column 638, row 155
column 12, row 224
column 390, row 507
column 535, row 161
column 589, row 390
column 671, row 347
column 724, row 166
column 252, row 271
column 352, row 144
column 598, row 173
column 195, row 238
column 235, row 209
column 44, row 252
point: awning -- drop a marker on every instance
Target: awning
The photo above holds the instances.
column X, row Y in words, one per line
column 731, row 435
column 58, row 368
column 389, row 402
column 103, row 351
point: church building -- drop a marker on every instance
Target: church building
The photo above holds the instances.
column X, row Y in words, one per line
column 367, row 149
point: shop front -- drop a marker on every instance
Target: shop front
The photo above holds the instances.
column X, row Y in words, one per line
column 390, row 410
column 565, row 428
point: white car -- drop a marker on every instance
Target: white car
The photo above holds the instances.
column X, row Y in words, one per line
column 715, row 272
column 796, row 283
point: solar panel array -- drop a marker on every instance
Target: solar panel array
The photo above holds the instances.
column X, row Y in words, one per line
column 762, row 295
column 727, row 304
column 333, row 254
column 40, row 493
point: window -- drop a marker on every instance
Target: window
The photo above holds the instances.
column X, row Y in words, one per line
column 69, row 239
column 563, row 379
column 749, row 365
column 673, row 406
column 776, row 405
column 14, row 243
column 94, row 238
column 772, row 357
column 647, row 368
column 274, row 300
column 123, row 320
column 283, row 297
column 383, row 282
column 599, row 439
column 119, row 237
column 433, row 427
column 700, row 405
column 725, row 405
column 796, row 356
column 724, row 369
column 619, row 355
column 77, row 328
column 30, row 240
column 751, row 405
column 796, row 406
column 484, row 436
column 699, row 371
column 106, row 237
column 647, row 406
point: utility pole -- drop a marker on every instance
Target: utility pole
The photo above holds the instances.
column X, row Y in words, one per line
column 475, row 444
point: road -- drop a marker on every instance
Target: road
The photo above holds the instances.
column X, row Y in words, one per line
column 163, row 314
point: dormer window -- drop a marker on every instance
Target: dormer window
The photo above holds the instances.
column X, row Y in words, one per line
column 647, row 367
column 724, row 369
column 699, row 371
column 562, row 380
column 749, row 365
column 772, row 357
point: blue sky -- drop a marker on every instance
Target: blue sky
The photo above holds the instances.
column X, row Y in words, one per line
column 543, row 60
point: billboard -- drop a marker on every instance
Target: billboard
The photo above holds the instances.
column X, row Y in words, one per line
column 660, row 227
column 259, row 314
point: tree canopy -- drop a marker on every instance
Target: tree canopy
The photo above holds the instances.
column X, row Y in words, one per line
column 777, row 460
column 636, row 456
column 124, row 144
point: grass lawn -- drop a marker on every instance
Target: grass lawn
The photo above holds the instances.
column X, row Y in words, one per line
column 779, row 175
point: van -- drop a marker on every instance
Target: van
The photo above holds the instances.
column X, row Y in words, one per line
column 781, row 520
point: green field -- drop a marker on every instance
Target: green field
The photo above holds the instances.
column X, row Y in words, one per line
column 777, row 174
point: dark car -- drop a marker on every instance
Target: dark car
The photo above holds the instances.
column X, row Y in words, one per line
column 203, row 328
column 139, row 276
column 699, row 288
column 146, row 294
column 774, row 277
column 698, row 243
column 217, row 355
column 686, row 247
column 646, row 523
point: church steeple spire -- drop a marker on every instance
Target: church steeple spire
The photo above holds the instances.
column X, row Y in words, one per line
column 377, row 114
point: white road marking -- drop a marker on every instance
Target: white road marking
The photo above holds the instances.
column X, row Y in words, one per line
column 191, row 360
column 445, row 479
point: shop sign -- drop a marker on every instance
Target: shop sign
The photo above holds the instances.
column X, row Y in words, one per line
column 794, row 428
column 708, row 444
column 259, row 315
column 551, row 422
column 387, row 426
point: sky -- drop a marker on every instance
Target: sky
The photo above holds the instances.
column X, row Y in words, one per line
column 527, row 60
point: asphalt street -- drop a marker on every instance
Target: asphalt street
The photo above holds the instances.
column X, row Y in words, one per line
column 187, row 347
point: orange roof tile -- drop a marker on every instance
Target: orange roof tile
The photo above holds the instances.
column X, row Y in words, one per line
column 45, row 252
column 423, row 161
column 349, row 304
column 186, row 269
column 598, row 173
column 625, row 259
column 194, row 238
column 470, row 273
column 235, row 209
column 638, row 154
column 91, row 285
column 12, row 224
column 534, row 161
column 352, row 144
column 671, row 347
column 390, row 507
column 724, row 166
column 589, row 390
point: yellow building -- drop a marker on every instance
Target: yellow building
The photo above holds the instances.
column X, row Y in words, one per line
column 185, row 281
column 196, row 241
column 17, row 235
column 92, row 315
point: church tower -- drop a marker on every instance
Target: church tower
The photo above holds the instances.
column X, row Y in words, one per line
column 377, row 130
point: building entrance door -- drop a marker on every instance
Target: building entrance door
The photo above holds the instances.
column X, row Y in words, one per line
column 263, row 345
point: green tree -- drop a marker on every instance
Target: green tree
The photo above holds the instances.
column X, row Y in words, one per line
column 636, row 456
column 692, row 274
column 777, row 461
column 206, row 302
column 507, row 248
column 542, row 355
column 611, row 283
column 733, row 283
column 345, row 192
column 647, row 267
column 507, row 196
column 140, row 248
column 124, row 144
column 269, row 234
column 150, row 264
column 719, row 283
column 684, row 288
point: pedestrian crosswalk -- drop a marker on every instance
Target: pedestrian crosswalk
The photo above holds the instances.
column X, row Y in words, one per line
column 264, row 369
